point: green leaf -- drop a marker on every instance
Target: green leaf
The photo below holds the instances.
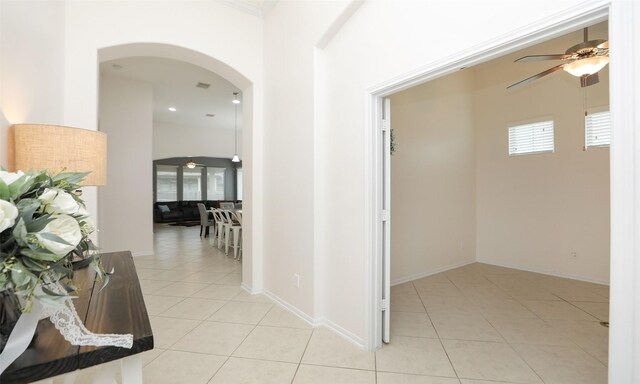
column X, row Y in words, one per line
column 105, row 281
column 20, row 233
column 64, row 271
column 4, row 190
column 54, row 237
column 33, row 265
column 50, row 292
column 70, row 177
column 38, row 224
column 21, row 185
column 40, row 254
column 20, row 275
column 27, row 208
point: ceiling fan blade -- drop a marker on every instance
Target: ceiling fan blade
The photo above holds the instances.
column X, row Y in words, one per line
column 559, row 56
column 586, row 81
column 535, row 77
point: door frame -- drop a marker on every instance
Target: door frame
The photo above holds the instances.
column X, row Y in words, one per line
column 624, row 334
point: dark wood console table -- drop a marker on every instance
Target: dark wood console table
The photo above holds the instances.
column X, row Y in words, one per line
column 119, row 308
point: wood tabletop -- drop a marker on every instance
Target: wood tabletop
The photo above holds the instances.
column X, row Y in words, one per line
column 118, row 308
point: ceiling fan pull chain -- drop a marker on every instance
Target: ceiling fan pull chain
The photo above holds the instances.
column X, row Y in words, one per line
column 584, row 105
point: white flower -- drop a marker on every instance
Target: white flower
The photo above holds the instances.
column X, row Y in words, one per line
column 10, row 177
column 58, row 201
column 65, row 227
column 8, row 214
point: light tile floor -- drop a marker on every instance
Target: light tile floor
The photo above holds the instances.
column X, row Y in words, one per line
column 478, row 324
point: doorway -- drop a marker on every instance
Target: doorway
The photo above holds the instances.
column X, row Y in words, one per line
column 379, row 286
column 131, row 164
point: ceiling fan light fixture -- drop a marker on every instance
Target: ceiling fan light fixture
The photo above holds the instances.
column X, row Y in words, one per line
column 587, row 66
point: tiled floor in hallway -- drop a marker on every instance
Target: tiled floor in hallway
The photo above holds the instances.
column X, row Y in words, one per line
column 477, row 324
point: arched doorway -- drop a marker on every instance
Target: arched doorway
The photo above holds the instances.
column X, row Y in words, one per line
column 130, row 167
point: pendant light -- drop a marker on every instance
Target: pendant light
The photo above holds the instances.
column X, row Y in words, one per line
column 236, row 159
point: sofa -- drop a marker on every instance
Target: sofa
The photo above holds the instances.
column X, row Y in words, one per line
column 181, row 211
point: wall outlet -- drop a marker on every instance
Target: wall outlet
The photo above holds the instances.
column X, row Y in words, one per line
column 296, row 280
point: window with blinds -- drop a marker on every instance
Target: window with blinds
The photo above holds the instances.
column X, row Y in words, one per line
column 531, row 138
column 597, row 129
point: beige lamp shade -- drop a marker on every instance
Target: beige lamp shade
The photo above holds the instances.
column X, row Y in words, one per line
column 54, row 148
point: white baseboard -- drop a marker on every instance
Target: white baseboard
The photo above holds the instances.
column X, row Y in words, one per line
column 430, row 272
column 310, row 320
column 545, row 272
column 249, row 289
column 349, row 336
column 315, row 322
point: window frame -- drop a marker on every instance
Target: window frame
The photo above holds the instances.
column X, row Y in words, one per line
column 596, row 111
column 526, row 124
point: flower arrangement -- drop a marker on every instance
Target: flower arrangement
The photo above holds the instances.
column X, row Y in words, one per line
column 44, row 232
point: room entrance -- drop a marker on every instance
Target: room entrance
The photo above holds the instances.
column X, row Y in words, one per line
column 465, row 246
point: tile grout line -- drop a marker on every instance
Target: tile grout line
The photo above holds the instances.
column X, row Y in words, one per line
column 438, row 335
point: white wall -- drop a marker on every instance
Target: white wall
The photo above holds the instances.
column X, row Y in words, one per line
column 126, row 116
column 433, row 202
column 380, row 42
column 31, row 63
column 53, row 49
column 291, row 31
column 211, row 31
column 534, row 210
column 171, row 140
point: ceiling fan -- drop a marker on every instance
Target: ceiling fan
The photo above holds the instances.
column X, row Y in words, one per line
column 192, row 164
column 583, row 60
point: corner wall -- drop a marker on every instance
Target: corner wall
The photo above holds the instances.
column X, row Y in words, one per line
column 535, row 210
column 382, row 42
column 126, row 116
column 433, row 207
column 292, row 29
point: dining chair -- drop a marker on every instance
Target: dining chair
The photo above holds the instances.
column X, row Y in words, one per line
column 219, row 227
column 238, row 213
column 233, row 227
column 227, row 205
column 204, row 219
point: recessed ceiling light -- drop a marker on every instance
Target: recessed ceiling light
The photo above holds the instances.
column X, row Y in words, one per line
column 116, row 66
column 172, row 109
column 203, row 85
column 210, row 115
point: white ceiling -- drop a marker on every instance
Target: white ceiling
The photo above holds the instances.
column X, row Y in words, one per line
column 258, row 8
column 174, row 85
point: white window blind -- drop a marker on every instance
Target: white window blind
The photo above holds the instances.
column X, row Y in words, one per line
column 597, row 129
column 531, row 138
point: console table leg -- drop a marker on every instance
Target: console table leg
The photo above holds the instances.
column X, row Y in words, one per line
column 70, row 378
column 106, row 374
column 132, row 369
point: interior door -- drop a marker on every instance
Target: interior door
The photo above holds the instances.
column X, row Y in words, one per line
column 386, row 219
